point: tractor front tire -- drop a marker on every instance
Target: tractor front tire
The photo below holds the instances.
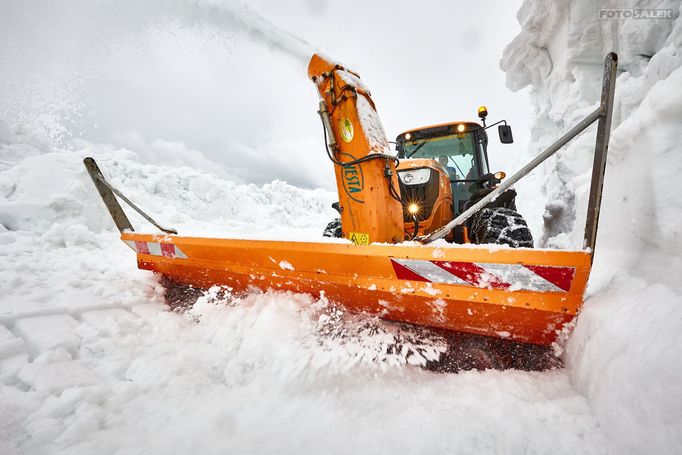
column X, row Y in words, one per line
column 500, row 226
column 333, row 229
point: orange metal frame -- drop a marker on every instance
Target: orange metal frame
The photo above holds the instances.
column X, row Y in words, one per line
column 363, row 279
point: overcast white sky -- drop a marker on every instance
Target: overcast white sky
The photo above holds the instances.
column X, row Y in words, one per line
column 228, row 79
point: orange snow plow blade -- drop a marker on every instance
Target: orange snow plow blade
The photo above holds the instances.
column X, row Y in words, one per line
column 520, row 294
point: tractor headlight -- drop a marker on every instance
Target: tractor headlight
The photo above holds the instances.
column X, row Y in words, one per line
column 413, row 209
column 415, row 177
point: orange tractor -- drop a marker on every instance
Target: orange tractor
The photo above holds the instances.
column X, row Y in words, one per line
column 443, row 170
column 437, row 187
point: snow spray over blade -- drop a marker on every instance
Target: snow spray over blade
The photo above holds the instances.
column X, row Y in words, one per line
column 242, row 18
column 61, row 53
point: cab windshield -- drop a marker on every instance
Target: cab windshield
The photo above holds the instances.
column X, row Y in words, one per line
column 457, row 152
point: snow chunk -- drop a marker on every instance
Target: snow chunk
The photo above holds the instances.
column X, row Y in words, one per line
column 352, row 80
column 10, row 345
column 55, row 371
column 43, row 333
column 438, row 253
column 429, row 289
column 284, row 265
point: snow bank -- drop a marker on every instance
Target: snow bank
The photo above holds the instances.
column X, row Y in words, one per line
column 49, row 208
column 44, row 187
column 623, row 352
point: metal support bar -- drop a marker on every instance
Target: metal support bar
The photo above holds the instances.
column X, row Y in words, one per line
column 603, row 114
column 107, row 191
column 600, row 151
column 117, row 214
column 504, row 186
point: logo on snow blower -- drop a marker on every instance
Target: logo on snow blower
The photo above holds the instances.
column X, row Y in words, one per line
column 359, row 238
column 353, row 180
column 346, row 129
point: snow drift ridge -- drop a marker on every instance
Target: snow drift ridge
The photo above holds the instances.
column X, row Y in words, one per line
column 623, row 353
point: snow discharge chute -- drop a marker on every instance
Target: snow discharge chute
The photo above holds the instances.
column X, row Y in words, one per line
column 519, row 294
column 369, row 198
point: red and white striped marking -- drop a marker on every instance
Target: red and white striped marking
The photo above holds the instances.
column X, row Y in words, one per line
column 512, row 277
column 167, row 250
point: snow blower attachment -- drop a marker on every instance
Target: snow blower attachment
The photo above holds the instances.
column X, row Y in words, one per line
column 519, row 294
column 369, row 202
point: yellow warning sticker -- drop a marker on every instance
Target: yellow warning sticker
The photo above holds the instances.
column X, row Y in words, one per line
column 359, row 238
column 346, row 129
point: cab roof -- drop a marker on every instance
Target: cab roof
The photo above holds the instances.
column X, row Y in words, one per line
column 440, row 129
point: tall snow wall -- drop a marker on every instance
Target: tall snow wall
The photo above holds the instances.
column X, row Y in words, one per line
column 624, row 352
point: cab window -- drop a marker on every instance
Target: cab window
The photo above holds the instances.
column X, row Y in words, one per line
column 457, row 152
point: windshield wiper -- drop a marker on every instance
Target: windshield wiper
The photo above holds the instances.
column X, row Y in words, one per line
column 416, row 149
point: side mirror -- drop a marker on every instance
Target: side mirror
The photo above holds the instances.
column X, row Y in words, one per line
column 505, row 134
column 399, row 149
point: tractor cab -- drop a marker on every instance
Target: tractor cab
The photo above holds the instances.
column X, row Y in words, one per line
column 460, row 148
column 456, row 152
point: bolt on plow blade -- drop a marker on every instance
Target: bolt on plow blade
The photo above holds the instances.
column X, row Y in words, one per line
column 522, row 295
